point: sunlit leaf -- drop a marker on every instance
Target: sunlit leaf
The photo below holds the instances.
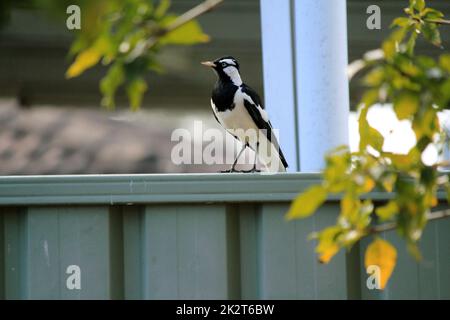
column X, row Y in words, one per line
column 382, row 254
column 406, row 105
column 189, row 33
column 400, row 22
column 368, row 135
column 388, row 182
column 391, row 45
column 368, row 185
column 350, row 206
column 335, row 173
column 387, row 211
column 87, row 58
column 374, row 77
column 307, row 202
column 328, row 246
column 419, row 5
column 328, row 253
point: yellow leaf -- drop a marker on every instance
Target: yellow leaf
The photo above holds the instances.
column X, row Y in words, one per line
column 328, row 253
column 368, row 134
column 382, row 254
column 328, row 245
column 84, row 60
column 369, row 184
column 388, row 183
column 387, row 211
column 189, row 33
column 307, row 202
column 350, row 206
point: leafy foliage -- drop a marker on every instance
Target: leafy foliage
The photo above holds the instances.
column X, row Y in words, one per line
column 127, row 36
column 418, row 87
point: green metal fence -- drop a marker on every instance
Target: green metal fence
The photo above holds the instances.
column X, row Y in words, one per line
column 212, row 236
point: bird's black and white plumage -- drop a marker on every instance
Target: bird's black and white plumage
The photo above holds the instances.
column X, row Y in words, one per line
column 238, row 108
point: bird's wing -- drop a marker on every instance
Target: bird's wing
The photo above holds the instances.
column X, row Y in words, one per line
column 252, row 94
column 253, row 105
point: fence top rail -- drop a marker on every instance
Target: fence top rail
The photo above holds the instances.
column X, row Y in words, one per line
column 157, row 188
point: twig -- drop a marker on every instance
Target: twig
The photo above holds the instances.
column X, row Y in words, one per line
column 438, row 21
column 392, row 225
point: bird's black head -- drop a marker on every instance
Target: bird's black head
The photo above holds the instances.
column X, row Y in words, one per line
column 227, row 68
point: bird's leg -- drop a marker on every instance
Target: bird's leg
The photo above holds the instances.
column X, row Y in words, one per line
column 256, row 156
column 255, row 160
column 236, row 160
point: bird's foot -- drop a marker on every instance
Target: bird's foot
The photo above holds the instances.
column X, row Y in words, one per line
column 253, row 170
column 232, row 170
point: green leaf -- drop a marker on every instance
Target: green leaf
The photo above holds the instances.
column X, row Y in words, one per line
column 109, row 84
column 189, row 33
column 406, row 105
column 307, row 202
column 368, row 135
column 419, row 5
column 430, row 13
column 391, row 45
column 427, row 125
column 162, row 8
column 444, row 62
column 404, row 162
column 375, row 77
column 411, row 44
column 337, row 165
column 135, row 91
column 369, row 98
column 387, row 211
column 431, row 33
column 401, row 22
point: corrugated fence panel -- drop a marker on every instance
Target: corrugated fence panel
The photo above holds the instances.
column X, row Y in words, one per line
column 185, row 252
column 289, row 266
column 189, row 237
column 42, row 242
column 13, row 246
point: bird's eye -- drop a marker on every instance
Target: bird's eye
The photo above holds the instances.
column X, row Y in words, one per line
column 224, row 64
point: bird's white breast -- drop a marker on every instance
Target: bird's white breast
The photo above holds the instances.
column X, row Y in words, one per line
column 238, row 119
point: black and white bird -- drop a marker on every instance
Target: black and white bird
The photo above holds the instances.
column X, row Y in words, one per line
column 238, row 108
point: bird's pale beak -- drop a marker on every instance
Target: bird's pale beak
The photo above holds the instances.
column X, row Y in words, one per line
column 209, row 64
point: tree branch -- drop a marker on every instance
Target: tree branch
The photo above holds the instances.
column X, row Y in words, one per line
column 439, row 21
column 392, row 225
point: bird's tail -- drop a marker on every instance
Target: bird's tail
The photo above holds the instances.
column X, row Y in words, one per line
column 271, row 156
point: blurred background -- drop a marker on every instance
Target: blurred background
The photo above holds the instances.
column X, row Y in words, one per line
column 51, row 125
